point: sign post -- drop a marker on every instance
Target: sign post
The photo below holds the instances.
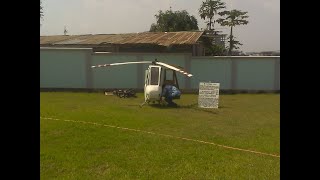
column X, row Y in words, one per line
column 208, row 95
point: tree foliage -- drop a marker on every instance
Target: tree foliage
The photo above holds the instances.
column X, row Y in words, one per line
column 213, row 49
column 208, row 9
column 174, row 21
column 218, row 50
column 41, row 10
column 235, row 43
column 233, row 18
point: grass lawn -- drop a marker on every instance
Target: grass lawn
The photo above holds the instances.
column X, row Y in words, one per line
column 72, row 150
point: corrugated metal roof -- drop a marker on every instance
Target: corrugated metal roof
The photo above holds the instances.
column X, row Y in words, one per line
column 159, row 38
column 53, row 39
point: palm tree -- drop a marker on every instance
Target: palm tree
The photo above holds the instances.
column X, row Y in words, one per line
column 232, row 19
column 208, row 9
column 41, row 12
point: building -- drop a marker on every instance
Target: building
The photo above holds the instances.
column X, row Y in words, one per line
column 217, row 37
column 153, row 42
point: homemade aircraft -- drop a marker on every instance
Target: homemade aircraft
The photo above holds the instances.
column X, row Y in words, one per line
column 156, row 76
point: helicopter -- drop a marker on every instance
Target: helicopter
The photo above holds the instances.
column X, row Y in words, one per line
column 156, row 76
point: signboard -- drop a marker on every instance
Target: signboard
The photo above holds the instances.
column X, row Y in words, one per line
column 208, row 95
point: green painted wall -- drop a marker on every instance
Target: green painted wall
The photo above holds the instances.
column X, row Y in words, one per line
column 62, row 68
column 66, row 68
column 124, row 76
column 255, row 74
column 217, row 70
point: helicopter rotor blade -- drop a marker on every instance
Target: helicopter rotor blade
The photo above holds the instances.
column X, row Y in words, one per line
column 123, row 63
column 178, row 69
column 175, row 68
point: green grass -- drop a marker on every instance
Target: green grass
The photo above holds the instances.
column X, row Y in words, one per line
column 71, row 150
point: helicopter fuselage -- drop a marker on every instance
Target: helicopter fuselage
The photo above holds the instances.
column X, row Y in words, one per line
column 152, row 93
column 155, row 77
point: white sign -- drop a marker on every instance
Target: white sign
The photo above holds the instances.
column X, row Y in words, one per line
column 208, row 95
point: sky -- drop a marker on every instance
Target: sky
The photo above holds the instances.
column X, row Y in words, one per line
column 262, row 33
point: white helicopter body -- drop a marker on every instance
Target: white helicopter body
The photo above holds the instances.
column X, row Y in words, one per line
column 155, row 78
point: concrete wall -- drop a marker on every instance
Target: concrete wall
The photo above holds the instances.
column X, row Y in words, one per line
column 238, row 72
column 64, row 68
column 70, row 68
column 116, row 76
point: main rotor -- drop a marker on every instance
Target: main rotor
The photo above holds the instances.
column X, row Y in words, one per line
column 155, row 62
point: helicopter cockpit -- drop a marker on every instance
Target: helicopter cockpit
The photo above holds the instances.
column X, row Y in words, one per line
column 170, row 78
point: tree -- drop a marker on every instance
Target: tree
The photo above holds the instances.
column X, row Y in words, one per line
column 212, row 49
column 41, row 11
column 233, row 44
column 218, row 50
column 153, row 27
column 233, row 18
column 208, row 9
column 174, row 21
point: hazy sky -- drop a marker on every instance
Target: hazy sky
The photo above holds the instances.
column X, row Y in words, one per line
column 127, row 16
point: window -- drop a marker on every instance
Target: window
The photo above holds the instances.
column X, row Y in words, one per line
column 154, row 76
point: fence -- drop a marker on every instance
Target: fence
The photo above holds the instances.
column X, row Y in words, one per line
column 70, row 69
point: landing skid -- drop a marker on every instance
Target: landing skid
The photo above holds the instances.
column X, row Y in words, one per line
column 160, row 102
column 143, row 104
